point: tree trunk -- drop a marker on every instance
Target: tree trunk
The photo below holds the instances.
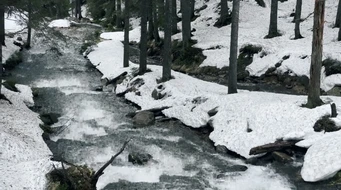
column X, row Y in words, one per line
column 78, row 10
column 316, row 56
column 161, row 11
column 155, row 20
column 29, row 25
column 2, row 37
column 298, row 19
column 143, row 40
column 192, row 15
column 126, row 34
column 150, row 20
column 338, row 15
column 119, row 14
column 232, row 82
column 339, row 36
column 273, row 31
column 166, row 69
column 186, row 23
column 174, row 17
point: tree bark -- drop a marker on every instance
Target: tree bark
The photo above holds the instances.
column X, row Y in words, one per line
column 155, row 20
column 192, row 15
column 118, row 14
column 143, row 39
column 161, row 11
column 78, row 10
column 298, row 19
column 273, row 31
column 316, row 56
column 174, row 17
column 29, row 25
column 186, row 23
column 232, row 82
column 2, row 37
column 126, row 34
column 150, row 20
column 338, row 15
column 166, row 69
column 339, row 36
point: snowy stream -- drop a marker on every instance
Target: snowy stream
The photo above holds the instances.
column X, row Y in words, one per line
column 94, row 126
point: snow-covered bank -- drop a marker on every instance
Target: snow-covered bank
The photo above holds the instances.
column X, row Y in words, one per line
column 253, row 27
column 23, row 153
column 12, row 25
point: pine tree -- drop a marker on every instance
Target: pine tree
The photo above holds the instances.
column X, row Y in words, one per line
column 298, row 19
column 273, row 30
column 143, row 39
column 166, row 69
column 316, row 56
column 232, row 82
column 126, row 34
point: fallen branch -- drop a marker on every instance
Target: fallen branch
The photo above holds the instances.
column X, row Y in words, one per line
column 280, row 145
column 100, row 172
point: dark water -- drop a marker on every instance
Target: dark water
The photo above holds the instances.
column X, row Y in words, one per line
column 93, row 127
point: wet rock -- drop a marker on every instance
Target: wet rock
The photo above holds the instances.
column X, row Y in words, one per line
column 49, row 118
column 281, row 157
column 225, row 171
column 221, row 149
column 157, row 95
column 139, row 158
column 332, row 66
column 325, row 124
column 144, row 118
column 98, row 88
column 131, row 114
column 212, row 112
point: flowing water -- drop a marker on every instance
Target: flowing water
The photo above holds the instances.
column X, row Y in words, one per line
column 93, row 127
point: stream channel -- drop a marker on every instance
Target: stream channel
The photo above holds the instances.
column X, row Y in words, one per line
column 93, row 127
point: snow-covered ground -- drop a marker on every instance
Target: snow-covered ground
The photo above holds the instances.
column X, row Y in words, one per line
column 23, row 153
column 24, row 156
column 12, row 24
column 253, row 27
column 269, row 116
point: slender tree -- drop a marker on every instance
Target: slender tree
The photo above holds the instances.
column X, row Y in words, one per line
column 224, row 14
column 29, row 24
column 298, row 19
column 143, row 39
column 119, row 14
column 161, row 11
column 2, row 37
column 186, row 23
column 232, row 82
column 192, row 3
column 339, row 36
column 338, row 15
column 126, row 33
column 166, row 69
column 150, row 20
column 273, row 31
column 316, row 56
column 156, row 35
column 78, row 9
column 174, row 17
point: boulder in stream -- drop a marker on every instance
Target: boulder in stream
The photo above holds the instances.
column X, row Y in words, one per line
column 144, row 118
column 139, row 158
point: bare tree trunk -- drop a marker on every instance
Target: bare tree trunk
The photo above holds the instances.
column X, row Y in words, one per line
column 192, row 15
column 126, row 34
column 224, row 15
column 339, row 36
column 174, row 18
column 338, row 15
column 2, row 37
column 119, row 14
column 232, row 82
column 155, row 20
column 161, row 11
column 166, row 69
column 298, row 19
column 273, row 31
column 316, row 56
column 29, row 25
column 143, row 40
column 150, row 20
column 186, row 23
